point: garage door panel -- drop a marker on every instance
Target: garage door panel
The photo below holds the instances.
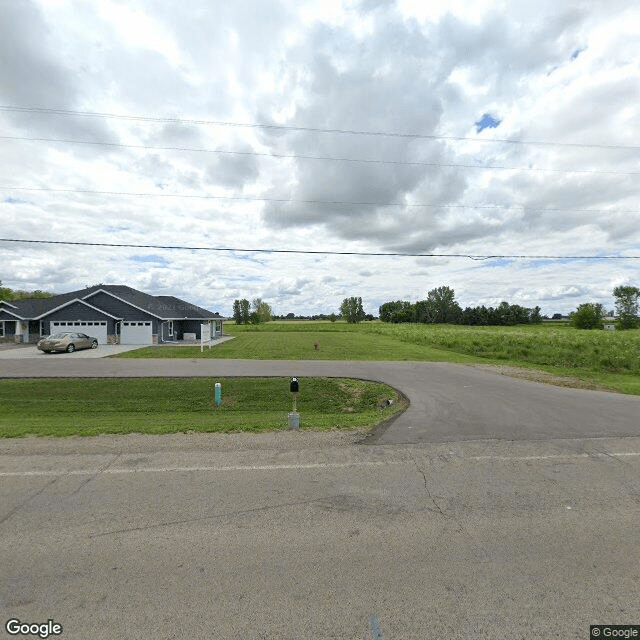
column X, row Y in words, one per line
column 136, row 333
column 94, row 329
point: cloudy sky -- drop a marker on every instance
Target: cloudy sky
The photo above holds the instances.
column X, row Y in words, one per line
column 478, row 128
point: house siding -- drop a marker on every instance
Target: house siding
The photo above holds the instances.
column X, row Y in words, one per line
column 180, row 327
column 78, row 312
column 188, row 326
column 9, row 330
column 34, row 331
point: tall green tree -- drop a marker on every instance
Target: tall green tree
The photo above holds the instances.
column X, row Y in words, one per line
column 244, row 310
column 534, row 316
column 237, row 317
column 351, row 310
column 627, row 306
column 441, row 306
column 398, row 311
column 262, row 310
column 588, row 316
column 5, row 293
column 241, row 311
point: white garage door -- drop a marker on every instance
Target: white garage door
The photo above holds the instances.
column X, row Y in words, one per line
column 94, row 329
column 136, row 333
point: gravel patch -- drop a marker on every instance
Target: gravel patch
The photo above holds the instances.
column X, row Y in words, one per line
column 545, row 377
column 140, row 443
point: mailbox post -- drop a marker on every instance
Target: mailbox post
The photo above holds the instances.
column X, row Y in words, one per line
column 294, row 416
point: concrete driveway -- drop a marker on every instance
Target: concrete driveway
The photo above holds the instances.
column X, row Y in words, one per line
column 21, row 352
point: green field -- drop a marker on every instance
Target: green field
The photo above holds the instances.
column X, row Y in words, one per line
column 92, row 406
column 609, row 359
column 293, row 344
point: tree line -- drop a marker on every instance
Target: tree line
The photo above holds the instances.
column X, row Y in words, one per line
column 16, row 294
column 255, row 313
column 442, row 307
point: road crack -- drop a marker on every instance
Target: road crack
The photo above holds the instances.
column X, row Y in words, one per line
column 103, row 468
column 431, row 497
column 216, row 516
column 29, row 499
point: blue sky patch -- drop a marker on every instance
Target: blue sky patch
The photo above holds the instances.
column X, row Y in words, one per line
column 495, row 263
column 159, row 260
column 577, row 52
column 486, row 122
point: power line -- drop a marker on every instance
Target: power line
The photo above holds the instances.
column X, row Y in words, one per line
column 117, row 145
column 257, row 125
column 205, row 196
column 320, row 252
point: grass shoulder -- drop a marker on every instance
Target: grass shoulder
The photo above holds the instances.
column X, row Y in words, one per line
column 95, row 406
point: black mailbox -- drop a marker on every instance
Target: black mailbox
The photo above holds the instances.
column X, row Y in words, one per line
column 295, row 387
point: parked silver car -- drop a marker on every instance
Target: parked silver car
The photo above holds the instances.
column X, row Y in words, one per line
column 67, row 341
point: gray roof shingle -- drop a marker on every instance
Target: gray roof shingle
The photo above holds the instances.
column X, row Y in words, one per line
column 166, row 307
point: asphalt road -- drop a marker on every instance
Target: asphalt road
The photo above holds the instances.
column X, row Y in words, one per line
column 290, row 537
column 493, row 508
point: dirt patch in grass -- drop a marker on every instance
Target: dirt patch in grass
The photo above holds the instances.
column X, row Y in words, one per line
column 354, row 393
column 546, row 377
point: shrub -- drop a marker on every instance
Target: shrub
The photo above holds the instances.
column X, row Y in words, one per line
column 588, row 316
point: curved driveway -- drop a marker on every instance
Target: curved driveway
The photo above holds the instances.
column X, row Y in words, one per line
column 448, row 402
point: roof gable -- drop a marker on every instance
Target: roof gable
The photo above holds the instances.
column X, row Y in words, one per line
column 8, row 304
column 73, row 302
column 6, row 314
column 145, row 305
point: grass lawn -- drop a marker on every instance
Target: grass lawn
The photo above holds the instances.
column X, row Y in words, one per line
column 609, row 359
column 299, row 345
column 93, row 406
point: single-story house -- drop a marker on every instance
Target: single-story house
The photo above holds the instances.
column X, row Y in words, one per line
column 114, row 314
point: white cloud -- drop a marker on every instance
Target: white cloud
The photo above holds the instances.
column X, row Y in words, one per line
column 407, row 67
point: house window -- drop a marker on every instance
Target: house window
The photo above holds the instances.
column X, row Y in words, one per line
column 171, row 327
column 1, row 328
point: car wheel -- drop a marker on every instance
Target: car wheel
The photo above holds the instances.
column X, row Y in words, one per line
column 47, row 351
column 71, row 348
column 94, row 344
